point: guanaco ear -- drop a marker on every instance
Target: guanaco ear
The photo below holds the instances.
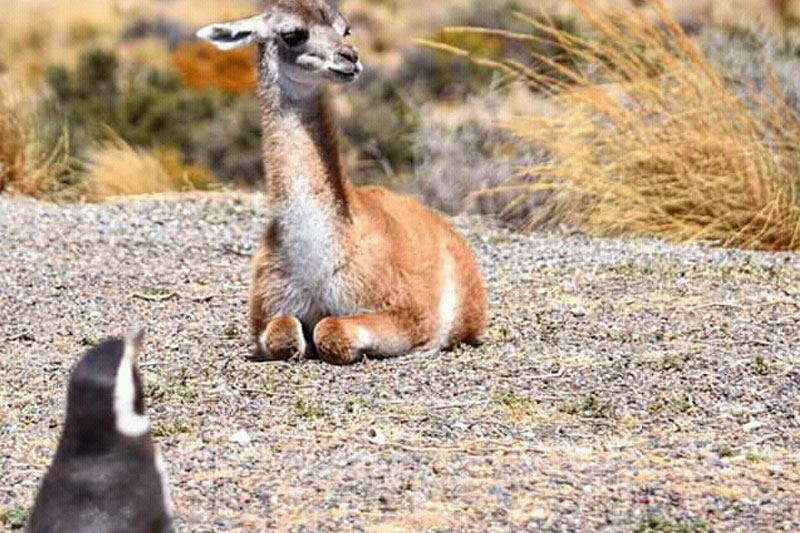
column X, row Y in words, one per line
column 230, row 35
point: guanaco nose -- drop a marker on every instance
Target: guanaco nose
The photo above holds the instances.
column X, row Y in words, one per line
column 348, row 53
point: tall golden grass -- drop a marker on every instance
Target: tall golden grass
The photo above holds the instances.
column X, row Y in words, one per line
column 115, row 168
column 646, row 138
column 28, row 164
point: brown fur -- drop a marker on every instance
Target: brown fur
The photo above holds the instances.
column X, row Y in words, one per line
column 363, row 269
column 390, row 261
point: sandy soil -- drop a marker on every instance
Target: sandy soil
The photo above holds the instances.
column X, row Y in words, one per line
column 624, row 385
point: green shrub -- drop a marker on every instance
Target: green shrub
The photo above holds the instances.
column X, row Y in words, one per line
column 474, row 167
column 153, row 108
column 381, row 129
column 449, row 76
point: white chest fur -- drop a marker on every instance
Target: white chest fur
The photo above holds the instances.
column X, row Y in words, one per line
column 311, row 258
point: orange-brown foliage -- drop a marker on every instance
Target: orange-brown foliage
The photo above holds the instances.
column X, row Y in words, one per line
column 202, row 66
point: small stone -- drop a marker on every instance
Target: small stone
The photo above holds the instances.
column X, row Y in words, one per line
column 538, row 514
column 241, row 437
column 376, row 436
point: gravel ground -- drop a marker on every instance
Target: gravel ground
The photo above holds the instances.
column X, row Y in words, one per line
column 625, row 384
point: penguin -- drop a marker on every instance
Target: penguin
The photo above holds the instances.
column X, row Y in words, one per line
column 106, row 475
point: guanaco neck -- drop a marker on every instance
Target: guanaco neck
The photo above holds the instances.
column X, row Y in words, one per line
column 301, row 148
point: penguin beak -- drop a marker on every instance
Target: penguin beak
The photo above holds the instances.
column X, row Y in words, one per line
column 133, row 343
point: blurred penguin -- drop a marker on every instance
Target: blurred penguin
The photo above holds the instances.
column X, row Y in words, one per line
column 106, row 475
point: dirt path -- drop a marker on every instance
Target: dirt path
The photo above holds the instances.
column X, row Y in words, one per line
column 625, row 383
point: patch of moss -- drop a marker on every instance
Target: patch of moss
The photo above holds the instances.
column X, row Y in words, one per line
column 510, row 399
column 172, row 429
column 590, row 406
column 231, row 331
column 307, row 409
column 672, row 362
column 87, row 341
column 15, row 517
column 680, row 403
column 761, row 366
column 659, row 524
column 178, row 388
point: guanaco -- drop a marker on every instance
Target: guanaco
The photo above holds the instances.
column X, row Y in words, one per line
column 342, row 271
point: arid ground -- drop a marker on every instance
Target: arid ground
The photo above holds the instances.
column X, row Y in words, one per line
column 624, row 384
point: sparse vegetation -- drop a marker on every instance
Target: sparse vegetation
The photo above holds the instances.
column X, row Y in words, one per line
column 157, row 292
column 88, row 341
column 459, row 168
column 177, row 389
column 672, row 362
column 307, row 409
column 590, row 406
column 114, row 168
column 172, row 429
column 753, row 457
column 15, row 517
column 724, row 451
column 658, row 524
column 761, row 366
column 674, row 403
column 231, row 331
column 518, row 408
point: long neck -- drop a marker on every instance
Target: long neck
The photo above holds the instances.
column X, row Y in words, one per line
column 301, row 150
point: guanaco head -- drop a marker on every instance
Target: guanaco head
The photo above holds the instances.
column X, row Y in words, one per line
column 303, row 42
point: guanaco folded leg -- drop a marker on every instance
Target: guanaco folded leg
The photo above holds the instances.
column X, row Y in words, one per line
column 345, row 340
column 277, row 337
column 282, row 339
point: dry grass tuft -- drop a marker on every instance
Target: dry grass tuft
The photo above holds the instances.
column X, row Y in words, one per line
column 28, row 164
column 12, row 147
column 117, row 169
column 645, row 137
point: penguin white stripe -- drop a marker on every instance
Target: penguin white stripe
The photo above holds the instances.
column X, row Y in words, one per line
column 161, row 468
column 128, row 422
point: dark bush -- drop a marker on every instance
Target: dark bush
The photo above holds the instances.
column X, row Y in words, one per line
column 450, row 77
column 458, row 166
column 155, row 109
column 381, row 128
column 749, row 56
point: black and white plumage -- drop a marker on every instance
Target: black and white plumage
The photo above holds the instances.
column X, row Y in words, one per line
column 106, row 475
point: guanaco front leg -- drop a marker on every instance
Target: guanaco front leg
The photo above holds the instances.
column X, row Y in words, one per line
column 345, row 340
column 282, row 339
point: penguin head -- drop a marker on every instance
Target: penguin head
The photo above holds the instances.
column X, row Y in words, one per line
column 106, row 398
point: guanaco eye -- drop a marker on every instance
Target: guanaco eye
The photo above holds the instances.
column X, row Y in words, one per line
column 347, row 32
column 295, row 37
